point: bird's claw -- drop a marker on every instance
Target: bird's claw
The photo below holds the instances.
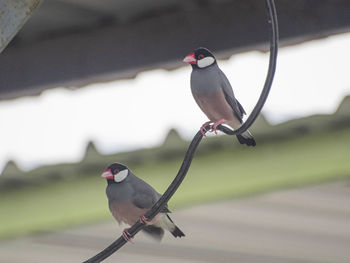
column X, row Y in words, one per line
column 203, row 128
column 144, row 220
column 127, row 236
column 216, row 124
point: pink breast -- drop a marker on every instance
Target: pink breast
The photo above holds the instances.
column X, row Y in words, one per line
column 126, row 212
column 215, row 106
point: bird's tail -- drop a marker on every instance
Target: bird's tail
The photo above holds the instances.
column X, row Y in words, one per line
column 246, row 138
column 174, row 230
column 177, row 232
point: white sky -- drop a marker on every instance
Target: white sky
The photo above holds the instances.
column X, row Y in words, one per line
column 311, row 78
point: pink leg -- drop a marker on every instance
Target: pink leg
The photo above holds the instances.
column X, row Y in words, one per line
column 144, row 220
column 216, row 124
column 203, row 130
column 127, row 235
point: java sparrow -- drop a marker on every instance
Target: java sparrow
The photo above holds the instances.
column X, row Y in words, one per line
column 214, row 95
column 129, row 198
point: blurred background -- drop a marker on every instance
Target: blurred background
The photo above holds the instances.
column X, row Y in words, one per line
column 87, row 83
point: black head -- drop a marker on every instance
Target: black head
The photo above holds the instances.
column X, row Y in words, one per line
column 200, row 58
column 116, row 173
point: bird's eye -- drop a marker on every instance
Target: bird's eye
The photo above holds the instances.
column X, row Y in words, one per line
column 115, row 171
column 200, row 56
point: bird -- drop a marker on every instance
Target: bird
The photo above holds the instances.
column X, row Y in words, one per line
column 214, row 95
column 129, row 198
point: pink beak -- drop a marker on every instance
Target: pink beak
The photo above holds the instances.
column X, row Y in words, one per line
column 190, row 59
column 107, row 174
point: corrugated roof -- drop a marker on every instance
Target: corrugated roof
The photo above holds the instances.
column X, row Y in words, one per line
column 77, row 42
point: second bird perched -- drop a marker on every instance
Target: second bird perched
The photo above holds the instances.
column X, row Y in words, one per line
column 214, row 95
column 129, row 198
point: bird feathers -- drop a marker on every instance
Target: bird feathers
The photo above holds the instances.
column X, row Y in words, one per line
column 230, row 97
column 214, row 95
column 132, row 198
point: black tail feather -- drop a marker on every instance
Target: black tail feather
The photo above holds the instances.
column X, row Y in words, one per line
column 248, row 141
column 177, row 232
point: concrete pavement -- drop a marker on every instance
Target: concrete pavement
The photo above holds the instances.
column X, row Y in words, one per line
column 305, row 225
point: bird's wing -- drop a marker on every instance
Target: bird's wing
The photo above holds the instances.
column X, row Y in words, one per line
column 143, row 200
column 145, row 197
column 230, row 97
column 146, row 201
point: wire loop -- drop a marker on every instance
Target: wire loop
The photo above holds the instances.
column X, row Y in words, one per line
column 272, row 20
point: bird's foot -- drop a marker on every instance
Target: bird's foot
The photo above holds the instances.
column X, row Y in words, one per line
column 127, row 236
column 144, row 220
column 217, row 123
column 203, row 129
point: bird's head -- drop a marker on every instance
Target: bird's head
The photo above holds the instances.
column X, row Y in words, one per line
column 200, row 58
column 116, row 172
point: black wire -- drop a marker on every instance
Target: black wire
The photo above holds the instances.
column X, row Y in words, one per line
column 272, row 19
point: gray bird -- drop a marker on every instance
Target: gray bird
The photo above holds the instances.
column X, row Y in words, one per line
column 129, row 198
column 214, row 95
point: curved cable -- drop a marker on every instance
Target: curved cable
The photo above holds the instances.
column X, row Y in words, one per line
column 272, row 19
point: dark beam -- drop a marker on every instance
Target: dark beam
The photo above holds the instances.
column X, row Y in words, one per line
column 117, row 51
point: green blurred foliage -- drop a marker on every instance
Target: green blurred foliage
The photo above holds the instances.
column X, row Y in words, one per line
column 295, row 153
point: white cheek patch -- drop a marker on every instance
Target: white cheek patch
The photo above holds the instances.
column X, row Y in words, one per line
column 121, row 176
column 205, row 62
